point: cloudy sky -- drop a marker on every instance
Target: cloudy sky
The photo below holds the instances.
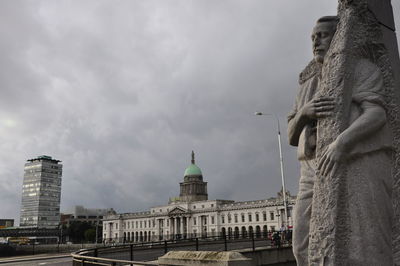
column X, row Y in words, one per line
column 122, row 92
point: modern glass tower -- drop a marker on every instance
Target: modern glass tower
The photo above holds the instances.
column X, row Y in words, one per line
column 41, row 193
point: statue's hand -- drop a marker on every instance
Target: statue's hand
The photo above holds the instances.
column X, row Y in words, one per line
column 318, row 108
column 331, row 158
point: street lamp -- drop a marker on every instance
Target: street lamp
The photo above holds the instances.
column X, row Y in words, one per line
column 281, row 162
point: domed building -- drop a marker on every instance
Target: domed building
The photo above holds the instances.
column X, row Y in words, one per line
column 192, row 214
column 193, row 188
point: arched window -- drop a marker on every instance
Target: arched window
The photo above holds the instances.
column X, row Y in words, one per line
column 223, row 232
column 244, row 232
column 229, row 232
column 258, row 231
column 265, row 231
column 236, row 233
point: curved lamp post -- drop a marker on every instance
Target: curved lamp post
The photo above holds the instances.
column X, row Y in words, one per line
column 281, row 163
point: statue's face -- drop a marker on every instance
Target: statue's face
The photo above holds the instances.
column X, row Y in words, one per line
column 321, row 37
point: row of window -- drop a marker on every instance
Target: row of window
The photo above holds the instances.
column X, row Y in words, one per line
column 228, row 219
column 249, row 217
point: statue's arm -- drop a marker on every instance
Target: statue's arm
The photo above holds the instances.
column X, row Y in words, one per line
column 311, row 111
column 370, row 121
column 373, row 118
column 296, row 124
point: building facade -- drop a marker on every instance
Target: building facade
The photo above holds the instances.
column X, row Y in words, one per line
column 41, row 193
column 81, row 214
column 5, row 223
column 193, row 215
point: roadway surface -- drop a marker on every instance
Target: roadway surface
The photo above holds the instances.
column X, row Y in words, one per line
column 48, row 262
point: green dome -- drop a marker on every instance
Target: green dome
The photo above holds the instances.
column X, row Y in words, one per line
column 193, row 170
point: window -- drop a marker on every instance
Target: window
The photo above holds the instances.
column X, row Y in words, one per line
column 194, row 206
column 243, row 218
column 202, row 206
column 194, row 220
column 223, row 219
column 212, row 219
column 116, row 226
column 257, row 217
column 250, row 217
column 264, row 216
column 141, row 224
column 212, row 205
column 236, row 218
column 137, row 224
column 167, row 222
column 229, row 218
column 271, row 216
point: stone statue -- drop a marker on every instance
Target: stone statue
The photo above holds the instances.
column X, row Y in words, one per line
column 346, row 130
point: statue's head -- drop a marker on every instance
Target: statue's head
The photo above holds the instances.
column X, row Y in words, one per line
column 322, row 36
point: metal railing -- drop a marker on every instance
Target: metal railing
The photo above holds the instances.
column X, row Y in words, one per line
column 124, row 254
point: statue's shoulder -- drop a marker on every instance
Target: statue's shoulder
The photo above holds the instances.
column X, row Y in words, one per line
column 367, row 74
column 309, row 71
column 365, row 66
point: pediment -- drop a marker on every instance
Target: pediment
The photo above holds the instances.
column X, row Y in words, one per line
column 178, row 211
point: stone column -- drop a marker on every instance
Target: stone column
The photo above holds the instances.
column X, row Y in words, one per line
column 175, row 228
column 181, row 227
column 171, row 227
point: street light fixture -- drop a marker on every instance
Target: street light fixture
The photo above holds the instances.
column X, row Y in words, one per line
column 281, row 163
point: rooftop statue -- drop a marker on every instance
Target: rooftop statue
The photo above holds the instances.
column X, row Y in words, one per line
column 344, row 124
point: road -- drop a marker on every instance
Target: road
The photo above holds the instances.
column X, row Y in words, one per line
column 47, row 262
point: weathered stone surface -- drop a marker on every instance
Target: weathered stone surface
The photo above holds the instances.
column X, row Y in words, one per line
column 337, row 205
column 212, row 258
column 351, row 161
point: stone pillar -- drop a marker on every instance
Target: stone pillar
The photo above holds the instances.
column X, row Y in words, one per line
column 181, row 226
column 171, row 227
column 175, row 228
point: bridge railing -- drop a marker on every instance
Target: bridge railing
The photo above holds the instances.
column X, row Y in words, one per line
column 123, row 254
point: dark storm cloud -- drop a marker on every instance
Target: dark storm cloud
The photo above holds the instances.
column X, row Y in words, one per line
column 122, row 91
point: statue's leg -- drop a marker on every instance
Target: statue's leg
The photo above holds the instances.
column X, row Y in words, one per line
column 302, row 212
column 371, row 211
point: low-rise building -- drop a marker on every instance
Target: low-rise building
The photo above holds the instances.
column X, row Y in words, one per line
column 5, row 223
column 81, row 214
column 193, row 215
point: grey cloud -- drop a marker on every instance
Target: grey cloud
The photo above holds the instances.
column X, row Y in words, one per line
column 122, row 91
